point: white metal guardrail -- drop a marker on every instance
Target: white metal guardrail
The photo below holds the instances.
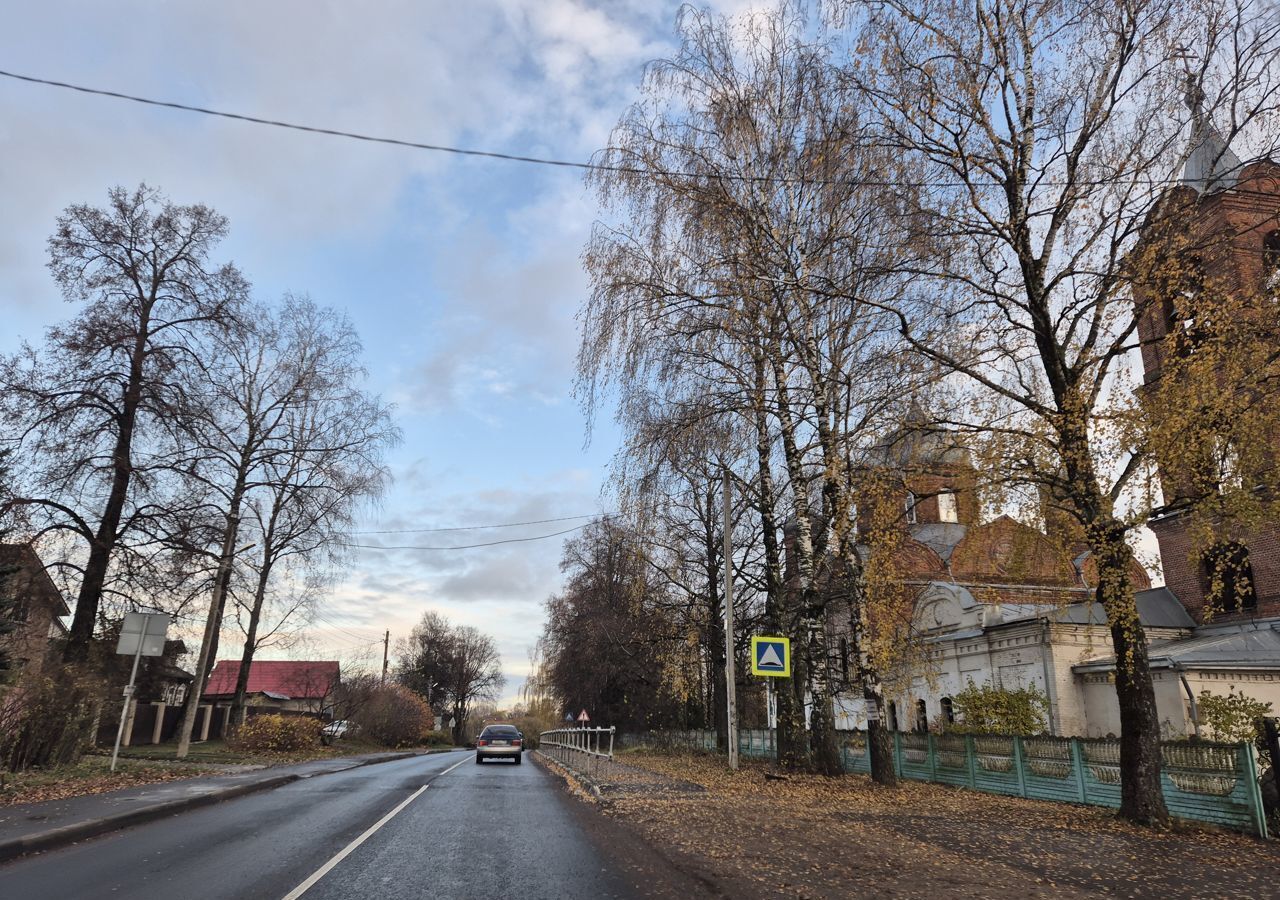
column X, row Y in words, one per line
column 583, row 749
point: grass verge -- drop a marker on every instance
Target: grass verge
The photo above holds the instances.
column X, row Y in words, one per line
column 92, row 775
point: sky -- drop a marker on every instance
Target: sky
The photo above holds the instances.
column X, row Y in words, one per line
column 461, row 275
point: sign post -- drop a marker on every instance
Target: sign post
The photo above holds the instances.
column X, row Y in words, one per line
column 730, row 677
column 143, row 634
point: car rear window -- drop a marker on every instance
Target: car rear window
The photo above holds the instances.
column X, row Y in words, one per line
column 493, row 730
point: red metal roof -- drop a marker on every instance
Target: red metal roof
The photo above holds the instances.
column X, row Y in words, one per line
column 299, row 679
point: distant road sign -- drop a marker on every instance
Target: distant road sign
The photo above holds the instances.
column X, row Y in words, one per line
column 583, row 717
column 146, row 628
column 771, row 656
column 568, row 717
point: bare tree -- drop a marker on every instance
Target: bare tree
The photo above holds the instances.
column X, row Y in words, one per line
column 454, row 665
column 91, row 408
column 1034, row 139
column 333, row 436
column 281, row 414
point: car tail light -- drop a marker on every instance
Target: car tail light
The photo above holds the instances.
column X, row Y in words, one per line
column 515, row 742
column 482, row 743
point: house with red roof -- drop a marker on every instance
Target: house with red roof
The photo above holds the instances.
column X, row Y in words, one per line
column 281, row 684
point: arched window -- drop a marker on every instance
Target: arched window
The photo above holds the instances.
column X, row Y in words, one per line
column 893, row 715
column 1271, row 258
column 948, row 711
column 1227, row 577
column 1226, row 459
column 922, row 716
column 844, row 660
column 948, row 511
column 910, row 506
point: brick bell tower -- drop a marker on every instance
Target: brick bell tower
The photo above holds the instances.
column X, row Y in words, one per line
column 1229, row 212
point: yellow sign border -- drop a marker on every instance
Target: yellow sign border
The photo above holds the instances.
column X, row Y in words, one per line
column 786, row 655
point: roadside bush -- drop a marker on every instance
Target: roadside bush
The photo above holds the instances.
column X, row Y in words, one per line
column 277, row 734
column 987, row 709
column 438, row 739
column 48, row 720
column 395, row 716
column 1233, row 717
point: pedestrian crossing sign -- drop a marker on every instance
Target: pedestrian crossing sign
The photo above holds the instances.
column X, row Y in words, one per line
column 771, row 656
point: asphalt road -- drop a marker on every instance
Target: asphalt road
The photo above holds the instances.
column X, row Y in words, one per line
column 475, row 831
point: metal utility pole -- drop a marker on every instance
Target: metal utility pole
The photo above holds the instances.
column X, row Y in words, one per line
column 386, row 644
column 730, row 692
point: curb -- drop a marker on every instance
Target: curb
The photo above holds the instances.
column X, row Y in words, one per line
column 69, row 834
column 586, row 781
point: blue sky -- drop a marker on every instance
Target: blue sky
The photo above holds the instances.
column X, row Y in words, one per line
column 462, row 275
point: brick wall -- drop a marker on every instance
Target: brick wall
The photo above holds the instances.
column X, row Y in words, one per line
column 1182, row 570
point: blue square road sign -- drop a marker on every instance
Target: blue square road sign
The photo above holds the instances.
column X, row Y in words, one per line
column 771, row 656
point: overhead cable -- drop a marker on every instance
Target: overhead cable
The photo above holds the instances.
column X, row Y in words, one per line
column 549, row 161
column 521, row 540
column 479, row 527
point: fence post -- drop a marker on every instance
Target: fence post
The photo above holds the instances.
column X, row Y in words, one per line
column 1020, row 763
column 931, row 749
column 971, row 757
column 897, row 751
column 1248, row 768
column 1077, row 763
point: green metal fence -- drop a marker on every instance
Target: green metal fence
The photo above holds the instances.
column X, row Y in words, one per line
column 1205, row 782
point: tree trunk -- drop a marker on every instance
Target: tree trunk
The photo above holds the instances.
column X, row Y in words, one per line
column 787, row 734
column 803, row 665
column 213, row 623
column 1141, row 794
column 250, row 643
column 95, row 571
column 879, row 737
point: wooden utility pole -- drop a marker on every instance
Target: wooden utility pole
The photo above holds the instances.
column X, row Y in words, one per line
column 386, row 645
column 730, row 692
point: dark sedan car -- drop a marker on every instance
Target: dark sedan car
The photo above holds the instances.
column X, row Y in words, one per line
column 499, row 742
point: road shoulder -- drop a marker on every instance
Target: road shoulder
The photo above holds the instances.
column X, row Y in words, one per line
column 36, row 827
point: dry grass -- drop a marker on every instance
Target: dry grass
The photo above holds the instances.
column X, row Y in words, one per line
column 815, row 837
column 92, row 775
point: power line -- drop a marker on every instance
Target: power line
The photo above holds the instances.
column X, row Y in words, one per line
column 479, row 527
column 550, row 161
column 336, row 627
column 538, row 537
column 334, row 132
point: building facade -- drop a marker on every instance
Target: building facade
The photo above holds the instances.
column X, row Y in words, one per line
column 1009, row 604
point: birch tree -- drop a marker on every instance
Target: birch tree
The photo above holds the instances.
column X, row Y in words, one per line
column 747, row 247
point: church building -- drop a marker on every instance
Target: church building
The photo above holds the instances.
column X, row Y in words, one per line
column 1009, row 604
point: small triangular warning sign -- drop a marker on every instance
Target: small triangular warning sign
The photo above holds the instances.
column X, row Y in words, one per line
column 769, row 657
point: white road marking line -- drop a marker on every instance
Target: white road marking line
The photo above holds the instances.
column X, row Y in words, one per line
column 448, row 770
column 347, row 850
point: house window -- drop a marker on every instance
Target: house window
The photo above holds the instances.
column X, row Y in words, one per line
column 893, row 715
column 910, row 506
column 948, row 710
column 1227, row 577
column 922, row 716
column 947, row 509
